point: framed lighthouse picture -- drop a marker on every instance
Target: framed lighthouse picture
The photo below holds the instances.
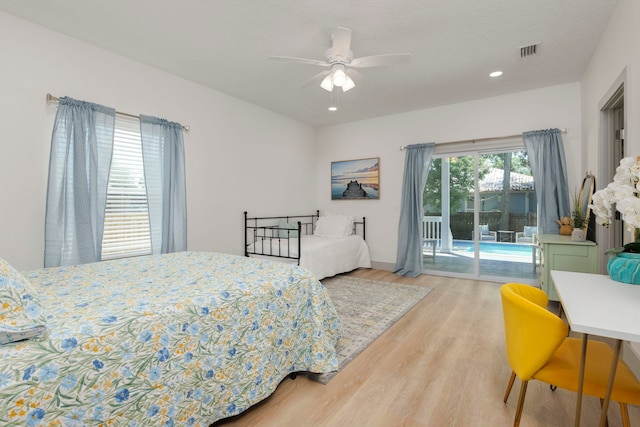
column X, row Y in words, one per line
column 356, row 179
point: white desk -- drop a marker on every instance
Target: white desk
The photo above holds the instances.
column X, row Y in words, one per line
column 594, row 304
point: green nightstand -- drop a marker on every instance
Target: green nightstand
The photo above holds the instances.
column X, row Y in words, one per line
column 561, row 253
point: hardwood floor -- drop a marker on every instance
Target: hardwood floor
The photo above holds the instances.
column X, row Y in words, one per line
column 442, row 364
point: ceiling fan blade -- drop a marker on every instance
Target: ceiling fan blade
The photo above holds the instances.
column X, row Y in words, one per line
column 316, row 79
column 341, row 42
column 301, row 60
column 380, row 60
column 356, row 76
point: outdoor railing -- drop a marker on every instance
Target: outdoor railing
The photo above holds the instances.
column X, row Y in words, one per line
column 432, row 229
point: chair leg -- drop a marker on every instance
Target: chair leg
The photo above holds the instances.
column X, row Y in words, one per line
column 523, row 391
column 624, row 413
column 509, row 386
column 606, row 421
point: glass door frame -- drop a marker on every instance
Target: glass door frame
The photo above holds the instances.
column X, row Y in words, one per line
column 445, row 178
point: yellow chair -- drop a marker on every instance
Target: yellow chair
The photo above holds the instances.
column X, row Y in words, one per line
column 538, row 348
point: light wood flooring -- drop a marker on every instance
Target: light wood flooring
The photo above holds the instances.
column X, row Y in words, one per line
column 442, row 364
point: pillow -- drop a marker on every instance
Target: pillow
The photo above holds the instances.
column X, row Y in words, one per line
column 349, row 218
column 529, row 231
column 484, row 229
column 334, row 226
column 284, row 226
column 21, row 314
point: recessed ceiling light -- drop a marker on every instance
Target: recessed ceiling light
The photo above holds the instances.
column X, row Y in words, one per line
column 495, row 74
column 333, row 108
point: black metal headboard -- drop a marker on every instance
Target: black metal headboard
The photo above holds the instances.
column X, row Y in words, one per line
column 268, row 229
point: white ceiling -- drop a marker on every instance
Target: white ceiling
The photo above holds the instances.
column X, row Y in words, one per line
column 226, row 44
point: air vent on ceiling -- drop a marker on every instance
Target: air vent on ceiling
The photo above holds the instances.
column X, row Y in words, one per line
column 530, row 50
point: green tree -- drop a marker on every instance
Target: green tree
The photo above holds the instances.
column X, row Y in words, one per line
column 506, row 190
column 460, row 183
column 519, row 161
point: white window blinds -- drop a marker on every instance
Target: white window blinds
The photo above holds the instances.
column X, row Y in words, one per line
column 126, row 225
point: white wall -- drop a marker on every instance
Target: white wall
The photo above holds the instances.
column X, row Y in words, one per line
column 553, row 107
column 617, row 53
column 617, row 50
column 238, row 156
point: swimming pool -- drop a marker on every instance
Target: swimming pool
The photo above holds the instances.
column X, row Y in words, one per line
column 494, row 248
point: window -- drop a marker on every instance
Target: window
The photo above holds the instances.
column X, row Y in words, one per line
column 126, row 224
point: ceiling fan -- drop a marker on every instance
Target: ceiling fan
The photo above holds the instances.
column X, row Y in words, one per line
column 339, row 62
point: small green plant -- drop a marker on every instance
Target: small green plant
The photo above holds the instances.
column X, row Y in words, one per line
column 577, row 214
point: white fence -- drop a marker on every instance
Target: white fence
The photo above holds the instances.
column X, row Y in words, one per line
column 432, row 228
column 432, row 233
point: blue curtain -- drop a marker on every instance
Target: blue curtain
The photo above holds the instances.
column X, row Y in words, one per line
column 546, row 157
column 163, row 156
column 79, row 164
column 416, row 167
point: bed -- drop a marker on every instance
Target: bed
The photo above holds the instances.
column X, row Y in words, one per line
column 179, row 339
column 325, row 245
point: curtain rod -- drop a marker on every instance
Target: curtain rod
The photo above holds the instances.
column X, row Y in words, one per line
column 51, row 98
column 473, row 141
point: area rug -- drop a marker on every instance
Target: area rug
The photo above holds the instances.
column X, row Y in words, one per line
column 367, row 309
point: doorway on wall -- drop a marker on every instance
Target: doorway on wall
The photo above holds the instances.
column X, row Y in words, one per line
column 480, row 216
column 611, row 144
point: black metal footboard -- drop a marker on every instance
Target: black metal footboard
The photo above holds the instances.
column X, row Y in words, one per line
column 276, row 236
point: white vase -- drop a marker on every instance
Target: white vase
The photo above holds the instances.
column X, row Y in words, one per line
column 578, row 235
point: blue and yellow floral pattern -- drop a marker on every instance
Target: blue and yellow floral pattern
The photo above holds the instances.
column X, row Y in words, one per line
column 21, row 314
column 177, row 339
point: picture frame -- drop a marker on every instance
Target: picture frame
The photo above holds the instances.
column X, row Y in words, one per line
column 357, row 179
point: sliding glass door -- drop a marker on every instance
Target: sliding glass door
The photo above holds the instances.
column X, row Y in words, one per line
column 448, row 216
column 480, row 216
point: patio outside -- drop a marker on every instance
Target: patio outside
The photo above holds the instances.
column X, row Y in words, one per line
column 490, row 200
column 515, row 260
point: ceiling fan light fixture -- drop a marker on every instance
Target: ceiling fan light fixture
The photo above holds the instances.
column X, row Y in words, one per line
column 327, row 83
column 339, row 58
column 348, row 84
column 339, row 76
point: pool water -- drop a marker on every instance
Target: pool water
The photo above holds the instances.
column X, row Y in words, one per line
column 507, row 249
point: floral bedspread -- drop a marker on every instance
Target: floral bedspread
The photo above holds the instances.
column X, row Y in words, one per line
column 178, row 339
